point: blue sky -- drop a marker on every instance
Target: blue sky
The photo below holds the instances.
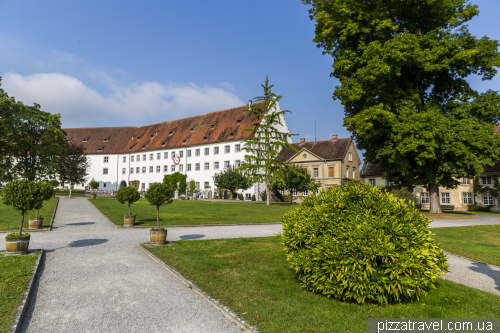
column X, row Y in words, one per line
column 128, row 63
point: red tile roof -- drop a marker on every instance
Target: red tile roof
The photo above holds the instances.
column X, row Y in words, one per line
column 371, row 170
column 327, row 149
column 213, row 127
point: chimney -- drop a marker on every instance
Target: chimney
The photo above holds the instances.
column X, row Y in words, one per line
column 334, row 137
column 302, row 140
column 249, row 102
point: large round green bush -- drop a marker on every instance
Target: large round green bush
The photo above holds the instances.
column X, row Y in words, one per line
column 357, row 243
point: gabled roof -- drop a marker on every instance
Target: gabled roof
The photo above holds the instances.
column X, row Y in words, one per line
column 327, row 149
column 371, row 170
column 213, row 127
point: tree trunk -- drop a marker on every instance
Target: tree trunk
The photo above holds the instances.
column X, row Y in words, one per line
column 37, row 212
column 21, row 224
column 291, row 196
column 158, row 216
column 267, row 195
column 70, row 190
column 434, row 197
column 129, row 209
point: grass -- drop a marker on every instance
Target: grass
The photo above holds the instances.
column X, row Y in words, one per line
column 481, row 242
column 193, row 212
column 74, row 193
column 252, row 277
column 11, row 218
column 456, row 214
column 15, row 272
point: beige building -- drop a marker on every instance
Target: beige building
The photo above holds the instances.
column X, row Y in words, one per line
column 460, row 198
column 330, row 162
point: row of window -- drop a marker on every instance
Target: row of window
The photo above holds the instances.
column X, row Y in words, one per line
column 465, row 181
column 197, row 152
column 197, row 167
column 466, row 198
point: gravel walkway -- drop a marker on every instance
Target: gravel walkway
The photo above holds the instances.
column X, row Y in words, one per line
column 96, row 279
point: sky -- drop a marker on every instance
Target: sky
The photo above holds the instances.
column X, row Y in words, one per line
column 132, row 63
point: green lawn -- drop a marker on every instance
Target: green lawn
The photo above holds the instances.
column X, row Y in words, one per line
column 74, row 193
column 480, row 242
column 10, row 218
column 15, row 272
column 192, row 212
column 252, row 277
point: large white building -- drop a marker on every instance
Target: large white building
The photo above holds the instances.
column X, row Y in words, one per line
column 198, row 146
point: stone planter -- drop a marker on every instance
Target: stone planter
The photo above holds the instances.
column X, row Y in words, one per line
column 129, row 221
column 92, row 196
column 158, row 237
column 17, row 245
column 36, row 223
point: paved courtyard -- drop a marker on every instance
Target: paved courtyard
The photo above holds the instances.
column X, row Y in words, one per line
column 96, row 278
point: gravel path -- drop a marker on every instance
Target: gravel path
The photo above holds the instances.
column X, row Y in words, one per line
column 96, row 279
column 476, row 220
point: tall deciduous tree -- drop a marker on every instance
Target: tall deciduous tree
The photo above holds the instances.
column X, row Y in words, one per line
column 72, row 165
column 296, row 178
column 402, row 67
column 262, row 149
column 230, row 179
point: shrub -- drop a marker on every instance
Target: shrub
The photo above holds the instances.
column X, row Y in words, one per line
column 404, row 194
column 46, row 191
column 129, row 195
column 479, row 208
column 358, row 243
column 240, row 196
column 94, row 184
column 286, row 198
column 253, row 197
column 263, row 195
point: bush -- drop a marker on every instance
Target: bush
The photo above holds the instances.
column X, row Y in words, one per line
column 263, row 195
column 253, row 197
column 358, row 243
column 404, row 194
column 240, row 196
column 479, row 208
column 286, row 198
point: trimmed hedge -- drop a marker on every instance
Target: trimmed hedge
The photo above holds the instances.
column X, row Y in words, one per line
column 360, row 244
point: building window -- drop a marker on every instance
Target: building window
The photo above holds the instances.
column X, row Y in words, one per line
column 347, row 172
column 158, row 156
column 151, row 157
column 226, row 164
column 172, row 168
column 294, row 192
column 237, row 163
column 144, row 157
column 486, row 180
column 207, row 151
column 103, row 184
column 181, row 154
column 248, row 196
column 350, row 157
column 197, row 185
column 189, row 167
column 216, row 150
column 227, row 149
column 131, row 158
column 165, row 168
column 173, row 154
column 165, row 155
column 315, row 172
column 445, row 198
column 465, row 181
column 105, row 171
column 467, row 196
column 331, row 172
column 353, row 173
column 137, row 170
column 197, row 152
column 372, row 182
column 138, row 158
column 150, row 169
column 181, row 168
column 197, row 167
column 124, row 159
column 305, row 193
column 189, row 153
column 131, row 170
column 143, row 186
column 216, row 165
column 207, row 166
column 124, row 171
column 317, row 190
column 158, row 168
column 207, row 185
column 237, row 148
column 424, row 198
column 106, row 159
column 143, row 169
column 488, row 199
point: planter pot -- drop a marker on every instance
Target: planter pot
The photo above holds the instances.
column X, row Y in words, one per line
column 129, row 221
column 17, row 245
column 158, row 236
column 36, row 223
column 92, row 196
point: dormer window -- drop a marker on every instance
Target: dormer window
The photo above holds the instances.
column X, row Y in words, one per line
column 145, row 145
column 240, row 120
column 152, row 135
column 213, row 124
column 69, row 140
column 193, row 128
column 86, row 139
column 206, row 136
column 100, row 148
column 164, row 142
column 232, row 133
column 132, row 147
column 106, row 139
column 139, row 137
column 186, row 140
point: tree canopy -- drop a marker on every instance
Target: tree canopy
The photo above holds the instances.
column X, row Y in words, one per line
column 177, row 181
column 402, row 67
column 158, row 195
column 129, row 195
column 295, row 178
column 22, row 195
column 72, row 165
column 230, row 179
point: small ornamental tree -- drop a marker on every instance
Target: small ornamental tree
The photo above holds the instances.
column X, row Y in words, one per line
column 360, row 244
column 192, row 187
column 22, row 195
column 94, row 184
column 46, row 192
column 159, row 195
column 129, row 195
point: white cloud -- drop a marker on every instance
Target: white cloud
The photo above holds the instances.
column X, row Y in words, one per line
column 127, row 105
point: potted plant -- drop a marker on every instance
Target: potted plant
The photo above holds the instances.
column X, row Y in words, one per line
column 94, row 185
column 46, row 192
column 158, row 195
column 22, row 195
column 129, row 195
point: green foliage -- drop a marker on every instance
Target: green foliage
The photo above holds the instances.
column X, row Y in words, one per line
column 177, row 181
column 15, row 235
column 128, row 195
column 192, row 186
column 262, row 149
column 22, row 195
column 230, row 179
column 403, row 193
column 72, row 165
column 494, row 190
column 479, row 207
column 94, row 184
column 402, row 67
column 286, row 198
column 158, row 195
column 54, row 183
column 295, row 178
column 240, row 196
column 263, row 196
column 133, row 183
column 253, row 197
column 357, row 243
column 46, row 191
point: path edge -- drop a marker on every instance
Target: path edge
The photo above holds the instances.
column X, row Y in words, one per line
column 472, row 260
column 54, row 215
column 21, row 309
column 230, row 314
